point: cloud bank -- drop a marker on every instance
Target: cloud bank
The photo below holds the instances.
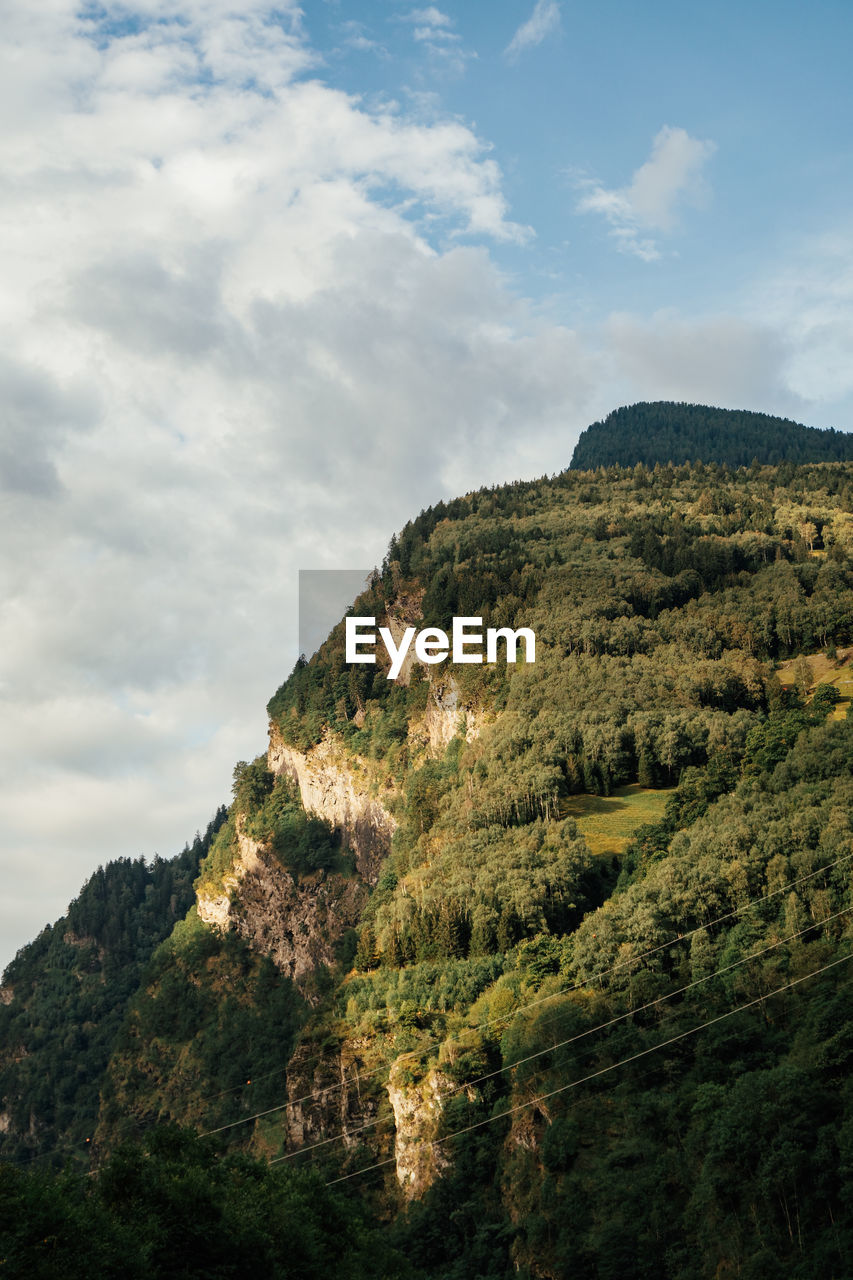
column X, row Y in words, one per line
column 242, row 336
column 251, row 325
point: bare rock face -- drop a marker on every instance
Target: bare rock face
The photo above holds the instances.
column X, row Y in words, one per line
column 405, row 612
column 330, row 1094
column 7, row 995
column 446, row 716
column 297, row 923
column 330, row 788
column 417, row 1111
column 216, row 909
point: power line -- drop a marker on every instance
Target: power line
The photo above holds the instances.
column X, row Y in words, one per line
column 603, row 973
column 237, row 1088
column 595, row 977
column 76, row 1148
column 593, row 1075
column 359, row 1076
column 581, row 1035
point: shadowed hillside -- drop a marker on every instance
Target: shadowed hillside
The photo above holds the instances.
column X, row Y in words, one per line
column 664, row 431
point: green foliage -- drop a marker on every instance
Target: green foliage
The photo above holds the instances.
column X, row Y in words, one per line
column 825, row 697
column 72, row 987
column 301, row 842
column 173, row 1206
column 497, row 950
column 268, row 810
column 206, row 1038
column 252, row 784
column 432, row 990
column 646, row 1171
column 490, row 887
column 666, row 432
column 655, row 609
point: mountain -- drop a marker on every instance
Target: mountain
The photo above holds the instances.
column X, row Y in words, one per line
column 512, row 968
column 666, row 432
column 64, row 998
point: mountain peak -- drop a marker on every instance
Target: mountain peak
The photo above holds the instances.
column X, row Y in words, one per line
column 668, row 431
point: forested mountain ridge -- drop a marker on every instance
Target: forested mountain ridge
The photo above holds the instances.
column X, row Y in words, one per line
column 665, row 431
column 64, row 997
column 601, row 911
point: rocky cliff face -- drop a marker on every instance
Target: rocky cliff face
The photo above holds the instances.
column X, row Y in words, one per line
column 417, row 1112
column 446, row 716
column 331, row 788
column 405, row 612
column 297, row 923
column 330, row 1091
column 217, row 909
column 340, row 1094
column 333, row 1093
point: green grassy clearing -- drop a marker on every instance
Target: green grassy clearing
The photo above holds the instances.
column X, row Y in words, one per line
column 826, row 670
column 608, row 822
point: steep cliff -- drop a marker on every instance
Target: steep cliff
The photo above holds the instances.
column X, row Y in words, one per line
column 298, row 922
column 333, row 786
column 336, row 1091
column 418, row 1106
column 447, row 716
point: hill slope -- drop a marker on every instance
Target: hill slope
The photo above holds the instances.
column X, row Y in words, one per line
column 65, row 995
column 405, row 931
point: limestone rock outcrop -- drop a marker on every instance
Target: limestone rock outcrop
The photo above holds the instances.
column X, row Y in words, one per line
column 331, row 789
column 296, row 922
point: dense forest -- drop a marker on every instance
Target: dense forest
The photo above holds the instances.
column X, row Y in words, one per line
column 664, row 431
column 594, row 1015
column 66, row 995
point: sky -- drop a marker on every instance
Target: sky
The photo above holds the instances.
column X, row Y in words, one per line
column 274, row 279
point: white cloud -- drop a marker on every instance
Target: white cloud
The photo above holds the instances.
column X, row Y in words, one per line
column 543, row 21
column 723, row 359
column 241, row 337
column 431, row 17
column 433, row 30
column 810, row 297
column 435, row 33
column 432, row 26
column 671, row 177
column 355, row 37
column 229, row 351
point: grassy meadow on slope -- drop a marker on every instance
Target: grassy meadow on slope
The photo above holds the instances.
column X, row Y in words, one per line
column 608, row 822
